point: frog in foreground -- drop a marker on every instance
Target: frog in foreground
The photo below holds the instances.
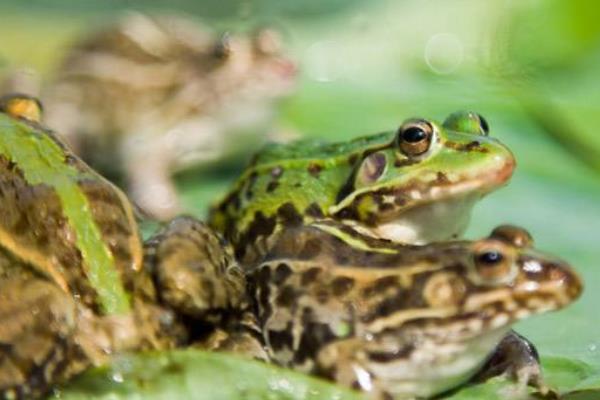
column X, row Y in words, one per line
column 403, row 321
column 149, row 96
column 74, row 288
column 417, row 184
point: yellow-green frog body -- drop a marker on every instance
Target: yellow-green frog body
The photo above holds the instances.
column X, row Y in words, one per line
column 414, row 185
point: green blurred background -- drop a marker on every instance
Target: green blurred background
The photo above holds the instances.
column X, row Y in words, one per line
column 531, row 67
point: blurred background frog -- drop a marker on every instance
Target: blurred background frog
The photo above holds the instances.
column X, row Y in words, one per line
column 146, row 96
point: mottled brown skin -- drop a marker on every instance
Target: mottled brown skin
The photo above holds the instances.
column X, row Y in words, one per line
column 195, row 269
column 350, row 314
column 53, row 324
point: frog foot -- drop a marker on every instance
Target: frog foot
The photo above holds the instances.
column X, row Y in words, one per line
column 516, row 358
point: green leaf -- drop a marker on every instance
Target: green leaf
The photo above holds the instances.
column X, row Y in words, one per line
column 193, row 374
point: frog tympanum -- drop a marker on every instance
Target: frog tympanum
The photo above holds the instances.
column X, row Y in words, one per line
column 414, row 185
column 148, row 96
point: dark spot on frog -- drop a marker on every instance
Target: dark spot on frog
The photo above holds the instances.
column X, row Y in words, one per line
column 380, row 285
column 341, row 285
column 314, row 211
column 389, row 305
column 311, row 248
column 314, row 336
column 261, row 225
column 474, row 145
column 250, row 185
column 386, row 207
column 289, row 215
column 405, row 162
column 280, row 340
column 310, row 275
column 442, row 179
column 400, row 201
column 276, row 172
column 314, row 169
column 282, row 272
column 352, row 159
column 389, row 356
column 297, row 185
column 272, row 186
column 286, row 297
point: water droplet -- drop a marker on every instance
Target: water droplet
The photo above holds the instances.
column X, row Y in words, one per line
column 117, row 377
column 593, row 347
column 444, row 53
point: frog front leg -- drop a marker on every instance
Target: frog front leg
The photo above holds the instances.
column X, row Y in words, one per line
column 194, row 269
column 518, row 359
column 153, row 151
column 36, row 337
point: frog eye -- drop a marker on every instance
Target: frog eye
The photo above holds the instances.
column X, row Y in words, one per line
column 414, row 137
column 22, row 106
column 494, row 263
column 222, row 48
column 467, row 122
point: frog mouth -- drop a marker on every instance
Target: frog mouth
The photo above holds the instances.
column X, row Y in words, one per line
column 439, row 210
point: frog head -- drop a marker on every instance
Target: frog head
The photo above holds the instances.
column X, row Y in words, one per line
column 422, row 186
column 469, row 294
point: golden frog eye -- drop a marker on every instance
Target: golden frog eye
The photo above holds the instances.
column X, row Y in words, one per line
column 414, row 137
column 494, row 263
column 22, row 106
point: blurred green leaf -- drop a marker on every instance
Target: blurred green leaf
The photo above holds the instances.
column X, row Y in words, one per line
column 193, row 374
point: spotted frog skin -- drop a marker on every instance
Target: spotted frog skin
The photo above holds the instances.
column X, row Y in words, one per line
column 148, row 96
column 76, row 284
column 402, row 321
column 414, row 185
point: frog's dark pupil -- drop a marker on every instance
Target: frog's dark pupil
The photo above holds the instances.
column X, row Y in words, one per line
column 490, row 258
column 484, row 125
column 414, row 134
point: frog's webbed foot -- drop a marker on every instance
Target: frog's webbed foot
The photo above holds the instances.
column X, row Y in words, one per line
column 517, row 358
column 36, row 337
column 194, row 270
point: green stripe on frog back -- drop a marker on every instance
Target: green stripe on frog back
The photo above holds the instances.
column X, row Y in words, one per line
column 42, row 161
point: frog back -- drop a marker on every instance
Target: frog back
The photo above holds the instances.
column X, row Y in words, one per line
column 63, row 220
column 289, row 183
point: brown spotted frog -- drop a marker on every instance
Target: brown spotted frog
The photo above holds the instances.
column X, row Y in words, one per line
column 149, row 96
column 400, row 321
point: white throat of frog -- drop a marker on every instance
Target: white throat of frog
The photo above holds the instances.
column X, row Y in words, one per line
column 455, row 362
column 432, row 222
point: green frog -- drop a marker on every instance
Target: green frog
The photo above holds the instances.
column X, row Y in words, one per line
column 76, row 282
column 416, row 184
column 401, row 321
